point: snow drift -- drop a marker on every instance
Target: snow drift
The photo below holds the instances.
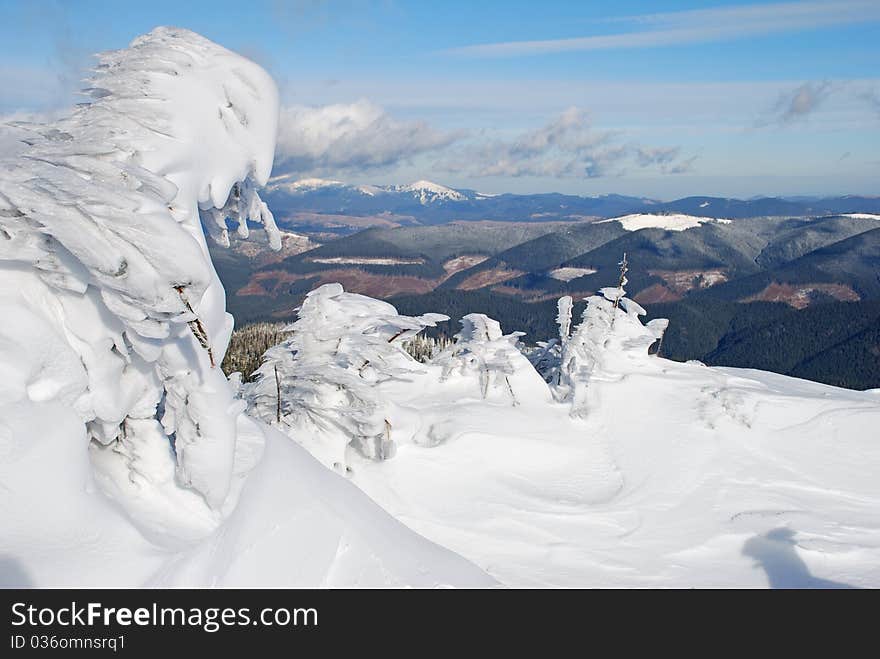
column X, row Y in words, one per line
column 123, row 447
column 620, row 468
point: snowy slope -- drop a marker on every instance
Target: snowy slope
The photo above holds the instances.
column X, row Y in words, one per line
column 125, row 458
column 670, row 474
column 672, row 222
column 296, row 524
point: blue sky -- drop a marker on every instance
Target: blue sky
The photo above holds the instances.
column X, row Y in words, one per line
column 662, row 99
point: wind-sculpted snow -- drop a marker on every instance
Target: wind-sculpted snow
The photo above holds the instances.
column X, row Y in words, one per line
column 114, row 326
column 100, row 230
column 620, row 468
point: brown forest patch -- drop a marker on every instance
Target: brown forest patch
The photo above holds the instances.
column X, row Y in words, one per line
column 489, row 277
column 656, row 293
column 276, row 282
column 682, row 281
column 799, row 295
column 538, row 295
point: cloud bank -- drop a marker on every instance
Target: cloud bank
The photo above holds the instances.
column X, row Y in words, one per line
column 872, row 97
column 568, row 146
column 802, row 101
column 695, row 26
column 346, row 138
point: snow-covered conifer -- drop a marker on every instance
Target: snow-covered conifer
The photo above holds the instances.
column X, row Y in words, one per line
column 424, row 348
column 101, row 243
column 547, row 355
column 341, row 347
column 610, row 329
column 563, row 318
column 247, row 346
column 492, row 360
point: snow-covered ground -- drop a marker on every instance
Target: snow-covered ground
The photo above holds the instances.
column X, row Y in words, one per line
column 676, row 474
column 672, row 222
column 685, row 476
column 296, row 523
column 569, row 273
column 862, row 216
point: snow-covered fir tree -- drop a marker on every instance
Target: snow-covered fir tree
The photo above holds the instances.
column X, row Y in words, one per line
column 547, row 355
column 247, row 346
column 492, row 360
column 610, row 329
column 325, row 375
column 424, row 348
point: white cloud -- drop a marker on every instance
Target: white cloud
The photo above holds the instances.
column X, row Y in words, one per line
column 802, row 100
column 872, row 97
column 566, row 147
column 354, row 137
column 842, row 102
column 647, row 156
column 696, row 26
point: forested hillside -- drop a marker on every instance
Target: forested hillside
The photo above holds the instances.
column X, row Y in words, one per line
column 734, row 290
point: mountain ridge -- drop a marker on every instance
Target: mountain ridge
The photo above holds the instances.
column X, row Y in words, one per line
column 427, row 202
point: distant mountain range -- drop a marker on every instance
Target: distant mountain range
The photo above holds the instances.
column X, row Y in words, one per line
column 316, row 204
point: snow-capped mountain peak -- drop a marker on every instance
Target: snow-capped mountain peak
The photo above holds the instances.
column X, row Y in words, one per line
column 427, row 192
column 284, row 183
